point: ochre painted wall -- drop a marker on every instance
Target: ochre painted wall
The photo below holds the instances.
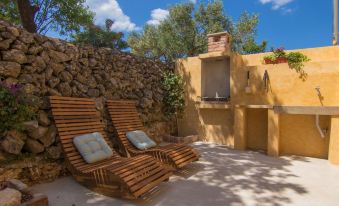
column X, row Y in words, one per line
column 299, row 136
column 257, row 129
column 297, row 133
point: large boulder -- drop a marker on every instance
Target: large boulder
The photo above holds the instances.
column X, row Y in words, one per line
column 13, row 142
column 10, row 197
column 9, row 69
column 33, row 146
column 31, row 125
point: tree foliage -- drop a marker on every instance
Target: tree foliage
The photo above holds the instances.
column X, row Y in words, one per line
column 63, row 16
column 174, row 100
column 101, row 37
column 184, row 32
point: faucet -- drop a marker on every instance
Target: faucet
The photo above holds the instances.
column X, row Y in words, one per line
column 317, row 88
column 321, row 98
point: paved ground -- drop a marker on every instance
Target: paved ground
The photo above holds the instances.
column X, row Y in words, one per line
column 224, row 177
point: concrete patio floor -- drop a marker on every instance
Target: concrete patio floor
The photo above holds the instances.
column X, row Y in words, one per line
column 223, row 177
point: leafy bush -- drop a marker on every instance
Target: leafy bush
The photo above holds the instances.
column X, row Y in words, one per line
column 295, row 61
column 174, row 101
column 12, row 111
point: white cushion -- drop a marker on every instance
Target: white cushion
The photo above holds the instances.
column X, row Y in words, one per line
column 92, row 147
column 140, row 140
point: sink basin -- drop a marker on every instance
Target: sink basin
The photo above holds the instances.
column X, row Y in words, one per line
column 310, row 110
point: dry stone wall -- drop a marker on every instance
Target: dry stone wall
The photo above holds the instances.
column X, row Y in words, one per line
column 46, row 66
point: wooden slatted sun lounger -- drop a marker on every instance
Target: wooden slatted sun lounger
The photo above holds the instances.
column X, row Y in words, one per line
column 125, row 177
column 125, row 118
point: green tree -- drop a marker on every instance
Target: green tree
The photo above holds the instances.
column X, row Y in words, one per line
column 40, row 16
column 101, row 37
column 184, row 32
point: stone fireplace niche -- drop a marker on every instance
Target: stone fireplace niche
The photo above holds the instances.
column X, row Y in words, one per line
column 215, row 70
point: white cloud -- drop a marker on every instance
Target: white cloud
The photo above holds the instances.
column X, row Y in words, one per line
column 110, row 9
column 276, row 4
column 193, row 1
column 158, row 15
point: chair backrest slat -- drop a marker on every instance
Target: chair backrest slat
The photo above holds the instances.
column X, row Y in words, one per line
column 74, row 117
column 125, row 118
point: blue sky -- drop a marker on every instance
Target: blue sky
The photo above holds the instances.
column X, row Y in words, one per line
column 290, row 23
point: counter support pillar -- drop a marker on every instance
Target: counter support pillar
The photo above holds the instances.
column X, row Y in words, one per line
column 240, row 128
column 333, row 153
column 273, row 133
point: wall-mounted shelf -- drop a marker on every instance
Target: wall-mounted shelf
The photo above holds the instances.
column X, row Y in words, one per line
column 213, row 105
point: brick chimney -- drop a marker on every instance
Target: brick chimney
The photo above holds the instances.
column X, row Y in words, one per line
column 219, row 42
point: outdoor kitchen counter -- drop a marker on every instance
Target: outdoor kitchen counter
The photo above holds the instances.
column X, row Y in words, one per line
column 307, row 110
column 213, row 105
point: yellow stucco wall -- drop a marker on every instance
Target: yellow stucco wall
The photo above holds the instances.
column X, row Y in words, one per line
column 297, row 133
column 257, row 129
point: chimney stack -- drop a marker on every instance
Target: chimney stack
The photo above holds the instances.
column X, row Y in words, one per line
column 219, row 42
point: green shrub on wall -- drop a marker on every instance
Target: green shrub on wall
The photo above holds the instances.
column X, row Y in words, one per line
column 174, row 101
column 12, row 111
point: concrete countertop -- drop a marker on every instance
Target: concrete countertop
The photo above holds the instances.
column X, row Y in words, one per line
column 311, row 110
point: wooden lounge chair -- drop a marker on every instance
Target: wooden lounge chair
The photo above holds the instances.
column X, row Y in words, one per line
column 125, row 118
column 125, row 177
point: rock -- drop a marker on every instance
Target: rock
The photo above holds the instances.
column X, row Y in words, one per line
column 26, row 37
column 65, row 89
column 48, row 45
column 14, row 56
column 48, row 139
column 93, row 93
column 57, row 68
column 14, row 31
column 53, row 92
column 81, row 78
column 9, row 69
column 66, row 76
column 38, row 133
column 13, row 142
column 83, row 88
column 33, row 146
column 43, row 118
column 10, row 81
column 54, row 152
column 39, row 62
column 2, row 158
column 29, row 89
column 34, row 50
column 19, row 46
column 17, row 185
column 5, row 44
column 10, row 197
column 53, row 82
column 58, row 56
column 31, row 125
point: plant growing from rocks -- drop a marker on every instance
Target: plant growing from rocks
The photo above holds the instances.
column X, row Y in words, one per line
column 13, row 112
column 174, row 101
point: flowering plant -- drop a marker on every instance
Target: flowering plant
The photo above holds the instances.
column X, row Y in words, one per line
column 295, row 60
column 13, row 112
